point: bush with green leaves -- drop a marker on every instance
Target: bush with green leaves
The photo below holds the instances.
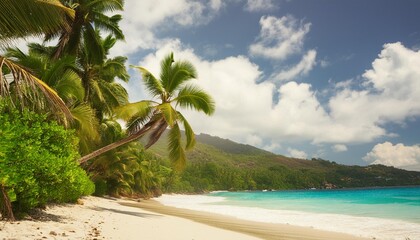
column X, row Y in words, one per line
column 38, row 161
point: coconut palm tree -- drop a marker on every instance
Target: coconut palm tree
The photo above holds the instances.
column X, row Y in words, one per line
column 102, row 92
column 23, row 18
column 154, row 117
column 88, row 17
column 62, row 78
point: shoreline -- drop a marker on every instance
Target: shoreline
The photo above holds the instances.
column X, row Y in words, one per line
column 270, row 231
column 117, row 219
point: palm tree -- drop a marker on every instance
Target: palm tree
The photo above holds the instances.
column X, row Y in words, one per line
column 23, row 18
column 89, row 16
column 155, row 117
column 62, row 78
column 102, row 92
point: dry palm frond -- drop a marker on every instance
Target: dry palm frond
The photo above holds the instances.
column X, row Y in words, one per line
column 24, row 90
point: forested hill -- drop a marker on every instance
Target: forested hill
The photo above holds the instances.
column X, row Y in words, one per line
column 221, row 164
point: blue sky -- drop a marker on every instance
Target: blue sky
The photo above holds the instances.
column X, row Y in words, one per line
column 339, row 80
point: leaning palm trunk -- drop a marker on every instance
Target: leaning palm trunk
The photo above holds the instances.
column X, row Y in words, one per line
column 137, row 135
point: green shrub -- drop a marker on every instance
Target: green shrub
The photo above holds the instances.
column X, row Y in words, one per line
column 38, row 161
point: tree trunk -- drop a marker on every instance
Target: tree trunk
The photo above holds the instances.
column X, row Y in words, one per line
column 121, row 142
column 5, row 205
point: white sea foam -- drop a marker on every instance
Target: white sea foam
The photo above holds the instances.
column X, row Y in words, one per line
column 377, row 228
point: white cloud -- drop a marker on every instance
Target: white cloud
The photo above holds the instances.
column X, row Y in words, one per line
column 273, row 147
column 297, row 153
column 302, row 68
column 324, row 63
column 259, row 5
column 246, row 112
column 399, row 155
column 344, row 84
column 339, row 148
column 279, row 37
column 391, row 94
column 143, row 18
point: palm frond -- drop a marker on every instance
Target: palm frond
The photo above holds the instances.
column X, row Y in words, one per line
column 38, row 93
column 136, row 114
column 69, row 87
column 195, row 98
column 113, row 94
column 33, row 64
column 106, row 5
column 152, row 84
column 182, row 71
column 189, row 133
column 92, row 44
column 176, row 152
column 109, row 24
column 23, row 18
column 86, row 125
column 166, row 70
column 140, row 109
column 110, row 131
column 115, row 67
column 54, row 70
column 169, row 113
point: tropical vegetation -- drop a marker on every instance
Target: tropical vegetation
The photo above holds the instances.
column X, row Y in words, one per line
column 71, row 95
column 60, row 134
column 220, row 164
column 37, row 162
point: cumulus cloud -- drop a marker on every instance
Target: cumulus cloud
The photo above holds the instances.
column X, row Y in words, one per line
column 391, row 94
column 398, row 155
column 259, row 5
column 302, row 68
column 246, row 111
column 143, row 18
column 279, row 37
column 295, row 153
column 339, row 148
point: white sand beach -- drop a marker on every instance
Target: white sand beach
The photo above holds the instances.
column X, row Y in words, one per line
column 102, row 218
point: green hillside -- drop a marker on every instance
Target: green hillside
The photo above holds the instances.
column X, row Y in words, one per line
column 221, row 164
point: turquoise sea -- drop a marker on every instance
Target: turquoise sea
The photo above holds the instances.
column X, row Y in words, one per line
column 381, row 213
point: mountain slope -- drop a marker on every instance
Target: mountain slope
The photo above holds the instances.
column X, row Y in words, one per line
column 216, row 164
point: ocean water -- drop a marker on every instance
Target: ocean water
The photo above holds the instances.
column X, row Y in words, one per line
column 380, row 213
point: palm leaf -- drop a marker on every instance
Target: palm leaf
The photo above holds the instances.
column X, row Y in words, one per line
column 181, row 72
column 86, row 125
column 189, row 133
column 38, row 93
column 106, row 5
column 93, row 45
column 110, row 131
column 176, row 152
column 114, row 95
column 166, row 70
column 109, row 24
column 23, row 18
column 140, row 109
column 195, row 98
column 69, row 87
column 115, row 67
column 152, row 84
column 169, row 113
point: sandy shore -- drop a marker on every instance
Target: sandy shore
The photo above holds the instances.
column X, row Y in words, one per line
column 100, row 218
